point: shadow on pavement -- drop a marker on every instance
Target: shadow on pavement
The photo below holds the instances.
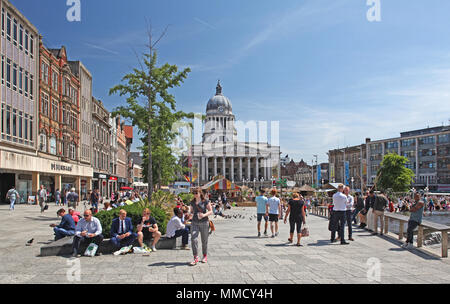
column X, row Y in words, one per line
column 416, row 251
column 44, row 219
column 321, row 243
column 170, row 264
column 277, row 245
column 250, row 237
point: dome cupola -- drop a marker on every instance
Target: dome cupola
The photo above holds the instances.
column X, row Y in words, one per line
column 219, row 104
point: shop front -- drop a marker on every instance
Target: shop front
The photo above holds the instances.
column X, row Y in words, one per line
column 101, row 183
column 112, row 184
column 28, row 173
column 123, row 182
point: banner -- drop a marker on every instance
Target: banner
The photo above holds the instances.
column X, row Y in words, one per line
column 319, row 176
column 347, row 172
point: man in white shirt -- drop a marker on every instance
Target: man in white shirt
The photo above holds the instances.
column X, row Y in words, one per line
column 42, row 196
column 176, row 228
column 89, row 229
column 338, row 218
column 349, row 211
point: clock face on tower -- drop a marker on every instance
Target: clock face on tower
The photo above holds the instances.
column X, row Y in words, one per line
column 221, row 109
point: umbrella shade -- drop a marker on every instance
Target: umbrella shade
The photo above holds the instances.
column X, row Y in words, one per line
column 126, row 188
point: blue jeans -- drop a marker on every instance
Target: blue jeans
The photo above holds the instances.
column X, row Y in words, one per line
column 60, row 233
column 410, row 232
column 12, row 202
column 119, row 243
column 184, row 233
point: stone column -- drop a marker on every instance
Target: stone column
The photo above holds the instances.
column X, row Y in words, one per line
column 240, row 169
column 224, row 162
column 248, row 168
column 265, row 169
column 257, row 169
column 206, row 169
column 89, row 184
column 35, row 184
column 215, row 165
column 232, row 169
column 58, row 182
column 78, row 185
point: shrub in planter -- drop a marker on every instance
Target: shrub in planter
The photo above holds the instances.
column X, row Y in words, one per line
column 134, row 212
column 186, row 197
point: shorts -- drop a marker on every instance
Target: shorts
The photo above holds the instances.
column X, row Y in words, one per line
column 147, row 234
column 259, row 217
column 273, row 217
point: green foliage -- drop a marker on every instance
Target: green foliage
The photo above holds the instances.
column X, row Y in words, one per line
column 186, row 197
column 152, row 109
column 134, row 212
column 393, row 174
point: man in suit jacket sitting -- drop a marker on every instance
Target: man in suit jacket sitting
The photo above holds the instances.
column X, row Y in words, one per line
column 122, row 230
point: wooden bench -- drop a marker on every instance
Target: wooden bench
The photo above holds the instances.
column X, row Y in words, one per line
column 420, row 229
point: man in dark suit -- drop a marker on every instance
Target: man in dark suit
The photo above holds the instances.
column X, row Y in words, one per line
column 122, row 230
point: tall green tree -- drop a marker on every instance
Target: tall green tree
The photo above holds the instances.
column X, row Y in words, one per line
column 148, row 99
column 394, row 174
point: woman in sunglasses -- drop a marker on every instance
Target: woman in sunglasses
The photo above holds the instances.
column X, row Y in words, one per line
column 200, row 209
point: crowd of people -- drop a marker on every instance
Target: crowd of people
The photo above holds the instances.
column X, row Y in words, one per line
column 191, row 220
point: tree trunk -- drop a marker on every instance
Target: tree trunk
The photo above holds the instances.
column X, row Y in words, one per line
column 150, row 164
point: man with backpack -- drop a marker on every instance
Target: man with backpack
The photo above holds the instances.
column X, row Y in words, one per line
column 12, row 196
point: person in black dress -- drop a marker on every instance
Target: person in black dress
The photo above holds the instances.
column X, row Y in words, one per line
column 296, row 213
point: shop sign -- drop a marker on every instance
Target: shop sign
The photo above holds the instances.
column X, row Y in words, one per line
column 57, row 167
column 101, row 176
column 113, row 178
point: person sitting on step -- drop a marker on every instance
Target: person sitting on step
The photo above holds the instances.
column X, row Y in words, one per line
column 122, row 231
column 147, row 227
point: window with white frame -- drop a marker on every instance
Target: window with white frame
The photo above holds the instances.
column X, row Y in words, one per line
column 43, row 142
column 55, row 81
column 53, row 144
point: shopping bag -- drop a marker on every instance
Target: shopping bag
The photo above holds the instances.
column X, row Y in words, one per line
column 305, row 231
column 139, row 250
column 91, row 250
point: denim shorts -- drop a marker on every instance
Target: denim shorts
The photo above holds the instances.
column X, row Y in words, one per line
column 259, row 217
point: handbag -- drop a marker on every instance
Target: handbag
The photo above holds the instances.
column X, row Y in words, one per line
column 305, row 231
column 211, row 227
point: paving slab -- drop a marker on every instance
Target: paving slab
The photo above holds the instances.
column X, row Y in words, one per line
column 236, row 255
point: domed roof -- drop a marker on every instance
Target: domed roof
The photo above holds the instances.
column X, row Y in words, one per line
column 219, row 104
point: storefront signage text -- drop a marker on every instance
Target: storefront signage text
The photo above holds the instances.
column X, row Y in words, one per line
column 61, row 168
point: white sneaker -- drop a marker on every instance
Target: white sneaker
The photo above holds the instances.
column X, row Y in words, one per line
column 405, row 245
column 153, row 248
column 410, row 246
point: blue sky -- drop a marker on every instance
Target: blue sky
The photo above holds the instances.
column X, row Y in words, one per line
column 330, row 77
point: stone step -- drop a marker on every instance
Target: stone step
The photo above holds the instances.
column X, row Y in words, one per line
column 64, row 246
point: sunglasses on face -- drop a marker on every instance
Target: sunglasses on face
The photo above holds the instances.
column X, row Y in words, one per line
column 86, row 215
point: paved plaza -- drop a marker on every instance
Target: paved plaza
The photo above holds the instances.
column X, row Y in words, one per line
column 235, row 255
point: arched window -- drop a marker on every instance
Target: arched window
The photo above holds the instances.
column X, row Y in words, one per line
column 43, row 142
column 53, row 144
